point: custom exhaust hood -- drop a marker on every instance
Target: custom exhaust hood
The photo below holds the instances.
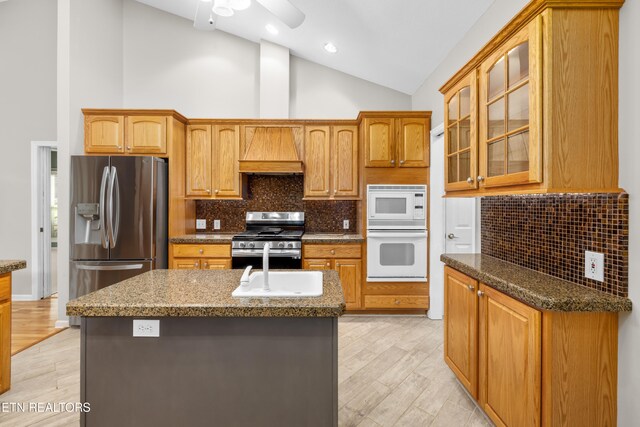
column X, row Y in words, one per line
column 272, row 150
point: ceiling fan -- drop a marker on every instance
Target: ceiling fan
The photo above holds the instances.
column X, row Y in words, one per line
column 208, row 10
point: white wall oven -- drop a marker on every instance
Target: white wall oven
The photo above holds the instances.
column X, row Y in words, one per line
column 396, row 233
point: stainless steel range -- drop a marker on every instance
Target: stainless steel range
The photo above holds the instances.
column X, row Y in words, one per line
column 282, row 230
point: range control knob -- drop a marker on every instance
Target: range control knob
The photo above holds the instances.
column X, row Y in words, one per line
column 281, row 245
column 251, row 244
column 241, row 244
column 290, row 245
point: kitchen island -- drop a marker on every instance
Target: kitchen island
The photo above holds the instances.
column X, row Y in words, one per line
column 217, row 360
column 6, row 268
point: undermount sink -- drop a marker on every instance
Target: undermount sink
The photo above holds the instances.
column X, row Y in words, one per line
column 282, row 284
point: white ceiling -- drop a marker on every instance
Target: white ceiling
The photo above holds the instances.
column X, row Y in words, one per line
column 396, row 44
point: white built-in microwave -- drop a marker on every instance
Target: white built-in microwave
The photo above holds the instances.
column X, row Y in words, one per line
column 396, row 207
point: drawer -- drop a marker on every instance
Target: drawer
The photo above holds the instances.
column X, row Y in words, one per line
column 396, row 301
column 332, row 251
column 208, row 251
column 5, row 287
column 317, row 264
column 216, row 264
column 186, row 264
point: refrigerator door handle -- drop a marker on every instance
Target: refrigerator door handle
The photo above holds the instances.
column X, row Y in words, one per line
column 103, row 222
column 110, row 267
column 114, row 193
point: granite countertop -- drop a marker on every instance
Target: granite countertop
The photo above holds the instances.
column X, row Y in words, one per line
column 203, row 238
column 332, row 238
column 536, row 289
column 9, row 265
column 201, row 293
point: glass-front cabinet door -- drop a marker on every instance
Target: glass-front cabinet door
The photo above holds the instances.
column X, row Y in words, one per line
column 510, row 106
column 460, row 136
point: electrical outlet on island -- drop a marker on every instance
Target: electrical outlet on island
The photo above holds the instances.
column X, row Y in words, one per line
column 201, row 224
column 594, row 266
column 345, row 224
column 216, row 224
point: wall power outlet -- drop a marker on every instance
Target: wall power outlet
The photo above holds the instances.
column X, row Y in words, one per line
column 594, row 265
column 201, row 224
column 216, row 224
column 146, row 328
column 345, row 224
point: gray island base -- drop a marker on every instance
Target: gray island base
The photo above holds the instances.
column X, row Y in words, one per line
column 228, row 362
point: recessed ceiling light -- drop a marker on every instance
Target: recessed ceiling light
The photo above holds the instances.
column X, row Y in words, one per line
column 272, row 29
column 330, row 47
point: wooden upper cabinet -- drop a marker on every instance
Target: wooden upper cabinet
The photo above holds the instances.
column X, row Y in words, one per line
column 461, row 136
column 146, row 135
column 226, row 152
column 510, row 100
column 345, row 157
column 199, row 167
column 461, row 328
column 396, row 141
column 317, row 161
column 103, row 134
column 413, row 142
column 379, row 140
column 510, row 359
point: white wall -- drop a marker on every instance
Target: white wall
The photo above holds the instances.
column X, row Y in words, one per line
column 27, row 113
column 427, row 97
column 274, row 81
column 319, row 92
column 629, row 144
column 168, row 64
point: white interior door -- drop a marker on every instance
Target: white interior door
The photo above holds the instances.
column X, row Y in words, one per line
column 460, row 225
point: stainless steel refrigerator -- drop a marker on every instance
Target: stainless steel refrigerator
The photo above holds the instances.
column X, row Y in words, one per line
column 118, row 220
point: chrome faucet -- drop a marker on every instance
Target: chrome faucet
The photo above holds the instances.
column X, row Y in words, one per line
column 265, row 266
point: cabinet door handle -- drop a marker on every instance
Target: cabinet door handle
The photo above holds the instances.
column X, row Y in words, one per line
column 333, row 252
column 397, row 302
column 208, row 191
column 201, row 251
column 402, row 162
column 206, row 264
column 129, row 147
column 393, row 162
column 328, row 264
column 480, row 293
column 217, row 191
column 469, row 180
column 119, row 147
column 480, row 178
column 471, row 288
column 195, row 264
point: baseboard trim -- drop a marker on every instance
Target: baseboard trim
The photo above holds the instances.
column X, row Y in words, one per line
column 23, row 297
column 62, row 324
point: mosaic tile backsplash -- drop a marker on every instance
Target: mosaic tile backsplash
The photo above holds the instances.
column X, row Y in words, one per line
column 279, row 193
column 550, row 233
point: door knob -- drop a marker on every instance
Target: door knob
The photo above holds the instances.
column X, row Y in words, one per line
column 480, row 293
column 469, row 180
column 451, row 236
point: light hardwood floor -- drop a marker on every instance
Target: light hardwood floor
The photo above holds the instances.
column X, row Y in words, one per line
column 32, row 322
column 391, row 373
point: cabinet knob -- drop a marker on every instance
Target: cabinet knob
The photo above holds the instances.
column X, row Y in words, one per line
column 471, row 288
column 119, row 147
column 480, row 178
column 206, row 264
column 469, row 180
column 397, row 302
column 480, row 293
column 201, row 251
column 326, row 191
column 402, row 162
column 217, row 191
column 393, row 162
column 333, row 252
column 195, row 264
column 129, row 147
column 328, row 264
column 208, row 191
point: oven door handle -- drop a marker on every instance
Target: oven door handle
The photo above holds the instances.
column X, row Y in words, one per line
column 242, row 253
column 397, row 234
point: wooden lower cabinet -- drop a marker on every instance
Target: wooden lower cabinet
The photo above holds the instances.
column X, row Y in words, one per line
column 528, row 367
column 5, row 332
column 349, row 269
column 200, row 256
column 509, row 355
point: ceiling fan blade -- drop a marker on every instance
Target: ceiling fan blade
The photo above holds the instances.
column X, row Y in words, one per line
column 205, row 19
column 285, row 11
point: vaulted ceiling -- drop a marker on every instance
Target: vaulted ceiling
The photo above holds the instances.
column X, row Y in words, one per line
column 396, row 44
